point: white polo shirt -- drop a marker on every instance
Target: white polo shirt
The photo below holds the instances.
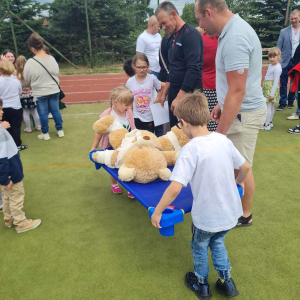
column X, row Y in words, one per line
column 239, row 48
column 149, row 45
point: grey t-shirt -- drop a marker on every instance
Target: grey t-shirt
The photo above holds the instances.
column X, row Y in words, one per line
column 239, row 48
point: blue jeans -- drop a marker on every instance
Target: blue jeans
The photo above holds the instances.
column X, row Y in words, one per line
column 46, row 104
column 154, row 73
column 215, row 241
column 284, row 96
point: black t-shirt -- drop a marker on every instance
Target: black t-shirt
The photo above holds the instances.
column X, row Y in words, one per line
column 185, row 54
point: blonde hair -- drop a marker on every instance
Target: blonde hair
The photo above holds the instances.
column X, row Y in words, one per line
column 193, row 108
column 6, row 67
column 274, row 52
column 20, row 64
column 122, row 94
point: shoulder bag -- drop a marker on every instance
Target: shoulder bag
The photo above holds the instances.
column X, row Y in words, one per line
column 61, row 93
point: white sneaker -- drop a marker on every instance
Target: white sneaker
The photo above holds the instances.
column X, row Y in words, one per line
column 44, row 136
column 60, row 133
column 50, row 116
column 293, row 117
column 267, row 127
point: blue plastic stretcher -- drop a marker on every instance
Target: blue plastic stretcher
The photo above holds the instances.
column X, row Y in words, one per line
column 150, row 194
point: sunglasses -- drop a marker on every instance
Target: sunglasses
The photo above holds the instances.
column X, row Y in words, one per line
column 179, row 124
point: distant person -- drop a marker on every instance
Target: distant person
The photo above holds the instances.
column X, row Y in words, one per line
column 10, row 91
column 148, row 43
column 287, row 43
column 11, row 184
column 271, row 87
column 207, row 163
column 241, row 108
column 9, row 55
column 185, row 55
column 120, row 107
column 44, row 85
column 127, row 67
column 143, row 87
column 27, row 100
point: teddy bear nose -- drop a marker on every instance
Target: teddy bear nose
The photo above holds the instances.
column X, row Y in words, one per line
column 146, row 137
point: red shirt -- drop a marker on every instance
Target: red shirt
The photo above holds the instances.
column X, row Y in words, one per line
column 209, row 66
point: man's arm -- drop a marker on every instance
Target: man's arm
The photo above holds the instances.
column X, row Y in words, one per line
column 236, row 90
column 280, row 41
column 168, row 197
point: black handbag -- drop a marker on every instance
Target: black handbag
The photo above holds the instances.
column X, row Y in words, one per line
column 61, row 93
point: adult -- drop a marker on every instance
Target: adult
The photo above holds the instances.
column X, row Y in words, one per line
column 148, row 43
column 9, row 55
column 287, row 42
column 210, row 44
column 241, row 108
column 44, row 86
column 185, row 56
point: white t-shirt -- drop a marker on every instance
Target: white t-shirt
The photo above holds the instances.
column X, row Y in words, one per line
column 123, row 120
column 10, row 91
column 208, row 163
column 144, row 94
column 149, row 45
column 273, row 73
column 295, row 40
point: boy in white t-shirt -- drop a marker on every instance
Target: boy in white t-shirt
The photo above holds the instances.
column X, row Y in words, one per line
column 207, row 162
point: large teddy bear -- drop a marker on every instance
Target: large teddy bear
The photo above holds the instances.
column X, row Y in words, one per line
column 135, row 153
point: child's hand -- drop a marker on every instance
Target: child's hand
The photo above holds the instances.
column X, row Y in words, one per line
column 9, row 185
column 271, row 98
column 5, row 124
column 93, row 149
column 155, row 219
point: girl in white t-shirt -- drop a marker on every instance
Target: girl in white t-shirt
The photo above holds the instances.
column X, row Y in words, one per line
column 144, row 87
column 120, row 107
column 270, row 85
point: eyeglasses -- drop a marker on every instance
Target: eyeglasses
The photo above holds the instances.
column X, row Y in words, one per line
column 179, row 124
column 142, row 68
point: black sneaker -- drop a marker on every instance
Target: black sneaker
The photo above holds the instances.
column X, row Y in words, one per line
column 227, row 287
column 291, row 106
column 22, row 147
column 296, row 130
column 281, row 107
column 202, row 291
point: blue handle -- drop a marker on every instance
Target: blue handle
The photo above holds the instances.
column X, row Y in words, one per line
column 169, row 218
column 240, row 189
column 97, row 165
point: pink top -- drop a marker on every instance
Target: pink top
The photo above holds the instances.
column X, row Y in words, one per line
column 209, row 66
column 104, row 143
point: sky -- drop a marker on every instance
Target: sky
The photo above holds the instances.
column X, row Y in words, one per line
column 178, row 3
column 153, row 3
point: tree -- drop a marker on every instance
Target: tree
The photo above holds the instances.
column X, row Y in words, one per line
column 29, row 11
column 114, row 26
column 188, row 14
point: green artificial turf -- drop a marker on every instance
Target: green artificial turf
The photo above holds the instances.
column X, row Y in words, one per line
column 93, row 244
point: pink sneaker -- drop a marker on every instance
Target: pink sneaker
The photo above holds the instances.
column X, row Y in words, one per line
column 130, row 195
column 116, row 189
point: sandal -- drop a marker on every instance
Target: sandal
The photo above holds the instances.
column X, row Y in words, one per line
column 22, row 147
column 242, row 221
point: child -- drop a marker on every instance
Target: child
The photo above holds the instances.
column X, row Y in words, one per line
column 127, row 67
column 10, row 91
column 270, row 85
column 143, row 86
column 207, row 162
column 121, row 100
column 11, row 176
column 27, row 102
